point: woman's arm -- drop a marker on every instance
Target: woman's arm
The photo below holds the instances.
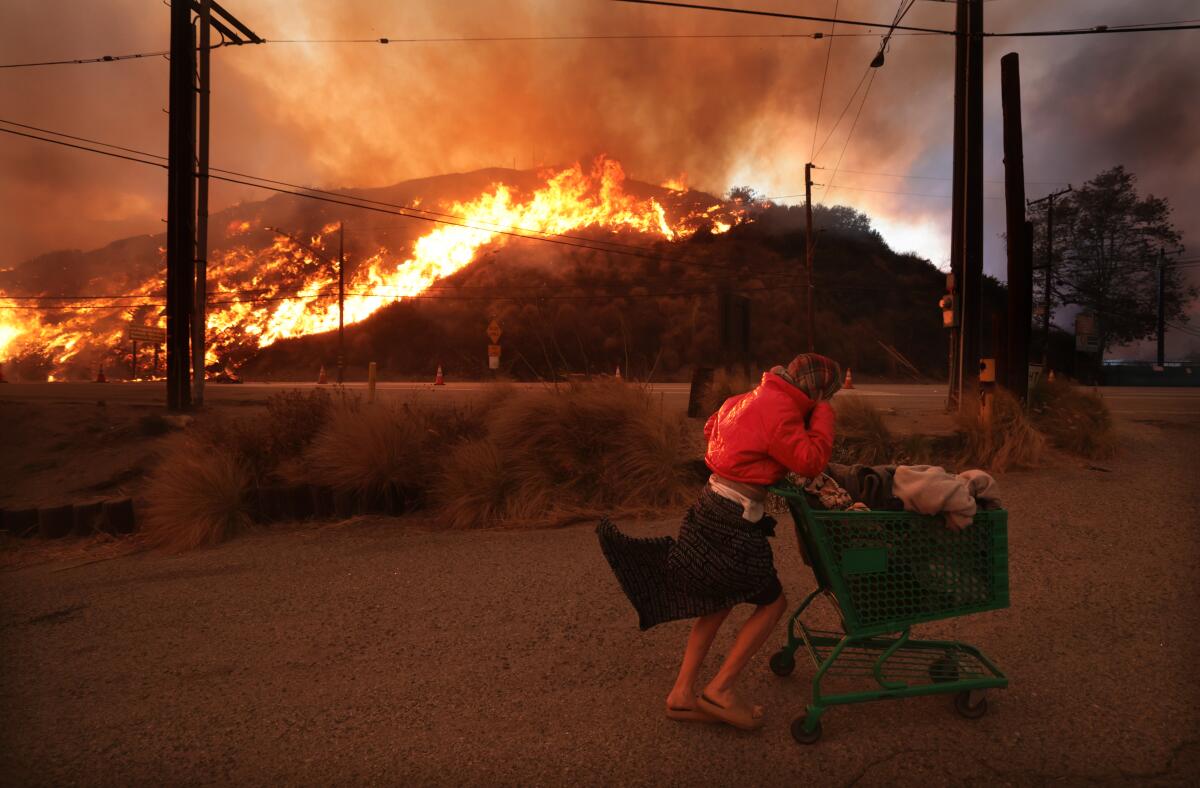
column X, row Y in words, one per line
column 805, row 450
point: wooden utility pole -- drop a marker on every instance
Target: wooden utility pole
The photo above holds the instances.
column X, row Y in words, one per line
column 341, row 376
column 1020, row 266
column 808, row 254
column 181, row 206
column 187, row 250
column 200, row 319
column 967, row 221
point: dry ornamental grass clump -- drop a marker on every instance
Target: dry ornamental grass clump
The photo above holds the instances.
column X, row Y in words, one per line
column 861, row 436
column 1008, row 441
column 581, row 448
column 196, row 496
column 1072, row 419
column 724, row 385
column 380, row 452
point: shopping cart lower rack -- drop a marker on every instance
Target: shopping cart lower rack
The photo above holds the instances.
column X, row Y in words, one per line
column 885, row 571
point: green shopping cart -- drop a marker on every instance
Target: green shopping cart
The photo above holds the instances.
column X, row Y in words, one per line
column 885, row 571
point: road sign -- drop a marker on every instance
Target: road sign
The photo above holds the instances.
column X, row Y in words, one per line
column 1086, row 338
column 494, row 331
column 493, row 351
column 147, row 334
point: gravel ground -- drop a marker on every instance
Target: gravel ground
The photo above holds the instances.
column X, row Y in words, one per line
column 385, row 652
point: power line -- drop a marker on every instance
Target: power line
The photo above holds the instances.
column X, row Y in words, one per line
column 824, row 76
column 83, row 61
column 849, row 134
column 404, row 211
column 579, row 37
column 386, row 40
column 1144, row 27
column 781, row 15
column 873, row 68
column 842, row 114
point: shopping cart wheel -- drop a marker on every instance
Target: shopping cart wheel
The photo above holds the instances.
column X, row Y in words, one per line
column 802, row 736
column 943, row 670
column 971, row 708
column 783, row 662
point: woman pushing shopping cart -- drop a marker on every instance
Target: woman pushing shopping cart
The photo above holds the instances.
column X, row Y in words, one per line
column 883, row 571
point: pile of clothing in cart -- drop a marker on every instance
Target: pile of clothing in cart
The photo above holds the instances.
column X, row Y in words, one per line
column 926, row 489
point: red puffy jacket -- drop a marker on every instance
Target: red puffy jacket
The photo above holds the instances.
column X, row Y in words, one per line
column 757, row 437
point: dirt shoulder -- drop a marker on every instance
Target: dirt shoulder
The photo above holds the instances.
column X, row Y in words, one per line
column 391, row 652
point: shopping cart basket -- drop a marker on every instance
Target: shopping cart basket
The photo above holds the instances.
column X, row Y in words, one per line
column 885, row 571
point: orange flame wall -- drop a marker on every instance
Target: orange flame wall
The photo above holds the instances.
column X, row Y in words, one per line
column 261, row 295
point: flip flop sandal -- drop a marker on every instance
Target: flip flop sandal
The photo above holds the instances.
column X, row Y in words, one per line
column 689, row 715
column 738, row 716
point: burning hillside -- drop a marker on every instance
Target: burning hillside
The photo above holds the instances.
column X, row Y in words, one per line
column 264, row 286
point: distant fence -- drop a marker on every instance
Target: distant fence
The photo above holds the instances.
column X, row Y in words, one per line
column 1145, row 373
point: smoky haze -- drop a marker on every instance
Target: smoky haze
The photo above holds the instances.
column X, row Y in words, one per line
column 724, row 111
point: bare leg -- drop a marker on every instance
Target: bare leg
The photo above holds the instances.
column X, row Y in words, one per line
column 683, row 694
column 749, row 640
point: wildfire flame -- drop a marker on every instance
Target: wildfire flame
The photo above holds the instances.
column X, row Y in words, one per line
column 261, row 295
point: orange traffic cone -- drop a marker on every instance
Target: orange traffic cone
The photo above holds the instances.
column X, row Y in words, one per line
column 438, row 380
column 1050, row 377
column 618, row 375
column 322, row 379
column 849, row 382
column 100, row 375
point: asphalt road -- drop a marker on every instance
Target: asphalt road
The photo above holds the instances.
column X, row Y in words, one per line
column 1134, row 402
column 391, row 652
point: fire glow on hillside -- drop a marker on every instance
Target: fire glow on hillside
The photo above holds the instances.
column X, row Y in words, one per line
column 259, row 295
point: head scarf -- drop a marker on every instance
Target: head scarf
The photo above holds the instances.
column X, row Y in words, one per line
column 817, row 376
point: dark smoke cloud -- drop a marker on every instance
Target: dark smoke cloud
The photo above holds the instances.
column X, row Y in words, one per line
column 726, row 112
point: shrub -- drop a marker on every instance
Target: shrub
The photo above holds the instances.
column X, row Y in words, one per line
column 861, row 434
column 590, row 447
column 196, row 496
column 153, row 424
column 1008, row 441
column 473, row 488
column 723, row 386
column 379, row 451
column 293, row 420
column 1072, row 419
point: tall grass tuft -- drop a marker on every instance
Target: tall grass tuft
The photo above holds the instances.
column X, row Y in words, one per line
column 724, row 385
column 592, row 447
column 861, row 434
column 196, row 496
column 380, row 452
column 1072, row 419
column 1008, row 441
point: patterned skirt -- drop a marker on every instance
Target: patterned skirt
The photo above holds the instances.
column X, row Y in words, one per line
column 718, row 561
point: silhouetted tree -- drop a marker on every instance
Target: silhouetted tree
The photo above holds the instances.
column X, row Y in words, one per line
column 1107, row 239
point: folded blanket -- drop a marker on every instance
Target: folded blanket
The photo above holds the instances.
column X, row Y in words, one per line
column 928, row 489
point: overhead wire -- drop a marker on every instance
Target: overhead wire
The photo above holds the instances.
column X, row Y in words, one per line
column 1142, row 27
column 363, row 203
column 386, row 40
column 824, row 76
